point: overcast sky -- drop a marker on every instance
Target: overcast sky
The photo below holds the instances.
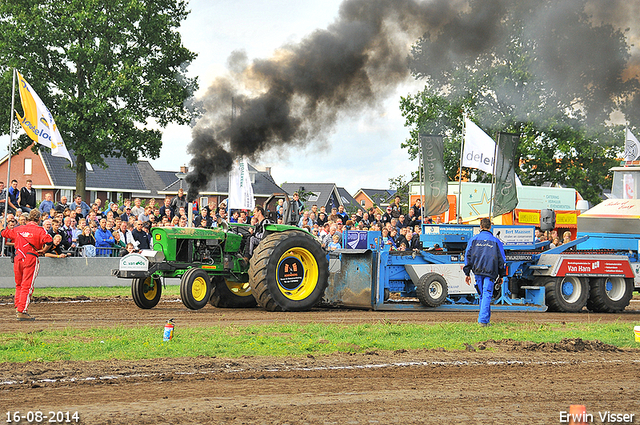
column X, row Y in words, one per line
column 363, row 151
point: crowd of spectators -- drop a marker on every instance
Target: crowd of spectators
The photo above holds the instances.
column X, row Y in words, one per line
column 400, row 227
column 553, row 237
column 80, row 229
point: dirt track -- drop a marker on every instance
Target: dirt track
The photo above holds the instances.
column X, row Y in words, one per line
column 509, row 383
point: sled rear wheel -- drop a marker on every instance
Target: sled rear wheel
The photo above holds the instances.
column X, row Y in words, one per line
column 610, row 294
column 566, row 294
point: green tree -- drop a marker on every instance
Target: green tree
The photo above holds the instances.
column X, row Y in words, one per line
column 401, row 187
column 531, row 70
column 111, row 71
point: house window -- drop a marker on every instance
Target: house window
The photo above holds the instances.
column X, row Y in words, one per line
column 363, row 203
column 89, row 166
column 28, row 166
column 202, row 202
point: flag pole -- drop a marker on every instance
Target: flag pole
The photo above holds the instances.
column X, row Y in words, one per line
column 493, row 176
column 464, row 133
column 420, row 175
column 6, row 201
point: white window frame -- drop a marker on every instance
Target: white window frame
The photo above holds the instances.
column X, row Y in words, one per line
column 28, row 170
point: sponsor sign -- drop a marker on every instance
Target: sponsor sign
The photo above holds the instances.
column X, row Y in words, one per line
column 435, row 177
column 134, row 262
column 432, row 230
column 515, row 235
column 529, row 217
column 290, row 273
column 475, row 199
column 566, row 218
column 595, row 266
column 356, row 239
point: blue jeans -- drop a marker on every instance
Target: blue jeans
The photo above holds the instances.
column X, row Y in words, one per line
column 484, row 285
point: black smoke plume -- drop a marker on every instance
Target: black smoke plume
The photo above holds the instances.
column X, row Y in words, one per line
column 297, row 95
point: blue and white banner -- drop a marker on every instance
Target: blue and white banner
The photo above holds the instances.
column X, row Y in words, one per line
column 479, row 149
column 240, row 188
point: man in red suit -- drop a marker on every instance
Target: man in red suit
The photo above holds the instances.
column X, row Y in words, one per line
column 31, row 241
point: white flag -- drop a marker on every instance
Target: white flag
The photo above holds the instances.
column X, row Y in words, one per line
column 240, row 189
column 38, row 121
column 631, row 147
column 479, row 148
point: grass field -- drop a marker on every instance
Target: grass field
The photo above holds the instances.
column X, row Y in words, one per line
column 277, row 339
column 284, row 339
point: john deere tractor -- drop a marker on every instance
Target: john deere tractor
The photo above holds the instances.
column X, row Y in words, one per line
column 287, row 271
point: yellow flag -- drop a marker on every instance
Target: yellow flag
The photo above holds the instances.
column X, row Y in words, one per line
column 38, row 121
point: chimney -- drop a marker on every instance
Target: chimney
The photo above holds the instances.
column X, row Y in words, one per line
column 184, row 169
column 268, row 170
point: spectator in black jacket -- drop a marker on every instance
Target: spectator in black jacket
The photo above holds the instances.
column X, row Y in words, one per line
column 27, row 197
column 179, row 201
column 86, row 238
column 140, row 236
column 396, row 208
column 386, row 217
column 57, row 230
column 62, row 205
column 166, row 209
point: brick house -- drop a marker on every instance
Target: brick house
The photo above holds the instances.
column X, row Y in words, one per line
column 119, row 180
column 368, row 198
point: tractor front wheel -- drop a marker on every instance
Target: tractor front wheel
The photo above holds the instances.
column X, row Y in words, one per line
column 288, row 271
column 195, row 288
column 146, row 292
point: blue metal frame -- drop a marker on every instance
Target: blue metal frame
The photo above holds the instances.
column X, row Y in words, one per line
column 393, row 276
column 444, row 243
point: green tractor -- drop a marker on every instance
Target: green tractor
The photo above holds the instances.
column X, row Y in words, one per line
column 287, row 271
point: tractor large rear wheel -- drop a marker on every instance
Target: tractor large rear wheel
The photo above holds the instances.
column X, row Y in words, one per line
column 288, row 271
column 610, row 294
column 195, row 288
column 228, row 294
column 146, row 291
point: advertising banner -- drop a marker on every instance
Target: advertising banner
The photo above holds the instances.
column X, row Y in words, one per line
column 435, row 177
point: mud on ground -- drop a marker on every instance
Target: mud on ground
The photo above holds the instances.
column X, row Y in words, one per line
column 501, row 382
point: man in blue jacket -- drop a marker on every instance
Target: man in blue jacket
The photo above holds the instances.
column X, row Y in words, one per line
column 485, row 258
column 104, row 239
